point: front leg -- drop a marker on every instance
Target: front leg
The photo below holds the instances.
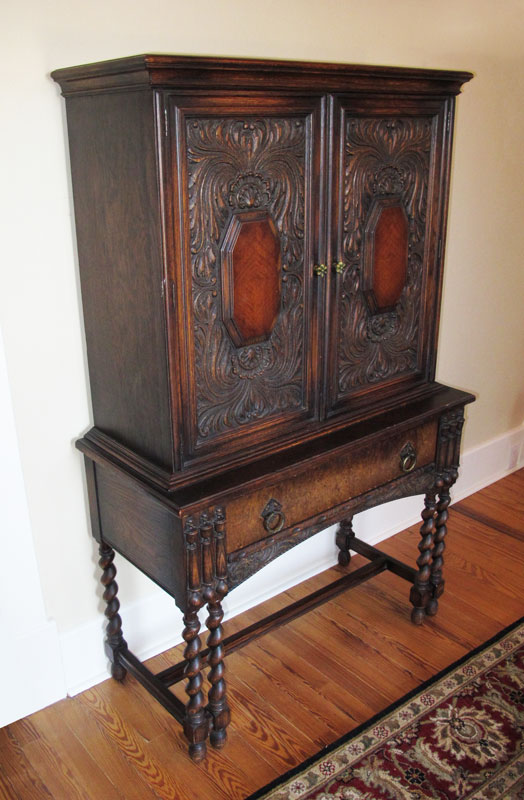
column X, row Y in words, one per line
column 115, row 641
column 196, row 721
column 421, row 590
column 217, row 705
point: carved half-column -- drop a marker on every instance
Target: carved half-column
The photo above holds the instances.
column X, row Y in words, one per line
column 421, row 590
column 217, row 705
column 345, row 534
column 196, row 723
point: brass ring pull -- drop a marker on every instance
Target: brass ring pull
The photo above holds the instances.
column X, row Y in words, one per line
column 273, row 518
column 408, row 458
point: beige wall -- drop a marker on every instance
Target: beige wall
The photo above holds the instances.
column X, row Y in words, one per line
column 482, row 329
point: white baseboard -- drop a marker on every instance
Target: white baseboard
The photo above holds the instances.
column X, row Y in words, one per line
column 32, row 674
column 154, row 624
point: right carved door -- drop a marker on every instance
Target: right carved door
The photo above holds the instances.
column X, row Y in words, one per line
column 389, row 169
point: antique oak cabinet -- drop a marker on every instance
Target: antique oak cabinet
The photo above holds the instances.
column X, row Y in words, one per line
column 260, row 247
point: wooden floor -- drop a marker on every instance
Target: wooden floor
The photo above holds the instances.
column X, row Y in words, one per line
column 294, row 690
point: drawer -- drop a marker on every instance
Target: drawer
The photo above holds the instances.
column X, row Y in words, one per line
column 325, row 484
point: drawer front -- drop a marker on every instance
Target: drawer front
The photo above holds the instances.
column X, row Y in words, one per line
column 286, row 503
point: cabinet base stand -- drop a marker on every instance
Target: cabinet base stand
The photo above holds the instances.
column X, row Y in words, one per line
column 198, row 726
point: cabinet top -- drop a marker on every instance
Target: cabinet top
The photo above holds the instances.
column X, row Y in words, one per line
column 197, row 72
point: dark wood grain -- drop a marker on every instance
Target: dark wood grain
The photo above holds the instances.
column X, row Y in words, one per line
column 118, row 231
column 192, row 72
column 170, row 385
column 260, row 250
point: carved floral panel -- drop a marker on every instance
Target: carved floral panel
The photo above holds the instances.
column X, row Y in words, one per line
column 236, row 165
column 386, row 166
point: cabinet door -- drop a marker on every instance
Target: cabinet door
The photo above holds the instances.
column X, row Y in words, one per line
column 248, row 210
column 390, row 185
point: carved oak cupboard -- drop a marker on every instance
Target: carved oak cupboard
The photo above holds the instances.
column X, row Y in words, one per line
column 260, row 247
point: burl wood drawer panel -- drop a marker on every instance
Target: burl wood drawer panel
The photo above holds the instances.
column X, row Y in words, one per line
column 331, row 482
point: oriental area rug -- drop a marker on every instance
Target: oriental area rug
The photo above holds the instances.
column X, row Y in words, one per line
column 460, row 735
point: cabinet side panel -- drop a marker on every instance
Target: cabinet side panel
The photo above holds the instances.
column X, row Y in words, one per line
column 113, row 164
column 143, row 530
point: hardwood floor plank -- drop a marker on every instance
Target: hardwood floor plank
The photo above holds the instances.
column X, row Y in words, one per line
column 265, row 728
column 239, row 769
column 305, row 682
column 454, row 630
column 104, row 750
column 358, row 697
column 60, row 757
column 395, row 636
column 7, row 790
column 500, row 506
column 22, row 731
column 135, row 749
column 20, row 776
column 60, row 775
column 266, row 677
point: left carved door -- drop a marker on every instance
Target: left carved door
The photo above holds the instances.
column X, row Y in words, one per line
column 248, row 200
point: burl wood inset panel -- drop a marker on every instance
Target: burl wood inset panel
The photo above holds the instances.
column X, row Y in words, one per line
column 327, row 484
column 251, row 277
column 390, row 256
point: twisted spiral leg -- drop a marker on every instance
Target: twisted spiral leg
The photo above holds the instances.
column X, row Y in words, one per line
column 345, row 534
column 437, row 581
column 421, row 589
column 195, row 721
column 217, row 705
column 115, row 641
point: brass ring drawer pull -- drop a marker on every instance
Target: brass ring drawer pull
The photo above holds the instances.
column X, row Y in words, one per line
column 273, row 518
column 408, row 458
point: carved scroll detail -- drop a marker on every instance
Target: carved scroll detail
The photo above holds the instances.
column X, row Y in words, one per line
column 382, row 157
column 235, row 164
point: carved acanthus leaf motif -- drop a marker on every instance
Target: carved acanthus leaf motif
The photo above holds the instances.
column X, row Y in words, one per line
column 235, row 164
column 382, row 156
